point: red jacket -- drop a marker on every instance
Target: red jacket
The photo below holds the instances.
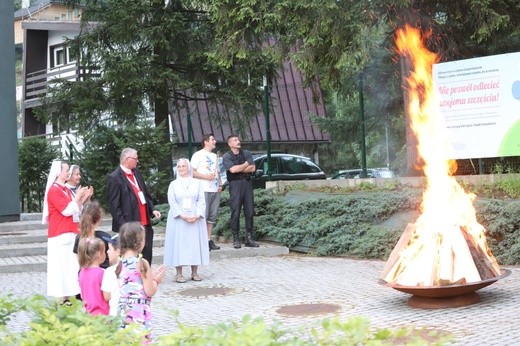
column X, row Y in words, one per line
column 58, row 199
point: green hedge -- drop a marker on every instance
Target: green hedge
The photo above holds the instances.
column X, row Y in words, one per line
column 362, row 223
column 55, row 324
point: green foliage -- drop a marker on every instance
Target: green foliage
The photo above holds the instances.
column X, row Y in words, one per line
column 337, row 225
column 375, row 241
column 159, row 54
column 507, row 186
column 35, row 156
column 357, row 331
column 163, row 209
column 510, row 186
column 249, row 331
column 56, row 324
column 355, row 222
column 501, row 218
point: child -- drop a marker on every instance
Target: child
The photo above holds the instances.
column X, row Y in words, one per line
column 91, row 253
column 90, row 219
column 110, row 284
column 137, row 282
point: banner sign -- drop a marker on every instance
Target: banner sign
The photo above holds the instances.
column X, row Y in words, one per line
column 479, row 100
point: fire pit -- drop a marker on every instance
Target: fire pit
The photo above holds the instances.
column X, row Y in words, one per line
column 435, row 297
column 443, row 257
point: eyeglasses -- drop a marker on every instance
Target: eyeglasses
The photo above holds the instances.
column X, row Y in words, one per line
column 135, row 158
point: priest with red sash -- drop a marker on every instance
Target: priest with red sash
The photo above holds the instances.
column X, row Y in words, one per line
column 128, row 198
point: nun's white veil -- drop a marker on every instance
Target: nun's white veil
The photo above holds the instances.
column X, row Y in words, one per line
column 190, row 173
column 53, row 174
column 71, row 170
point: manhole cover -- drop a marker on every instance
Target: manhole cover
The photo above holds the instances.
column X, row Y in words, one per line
column 308, row 309
column 10, row 234
column 206, row 291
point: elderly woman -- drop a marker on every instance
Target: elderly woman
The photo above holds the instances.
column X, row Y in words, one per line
column 186, row 242
column 74, row 180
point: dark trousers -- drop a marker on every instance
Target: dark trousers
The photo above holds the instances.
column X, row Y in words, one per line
column 241, row 195
column 148, row 243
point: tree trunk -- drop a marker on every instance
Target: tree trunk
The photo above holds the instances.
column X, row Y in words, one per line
column 165, row 163
column 412, row 155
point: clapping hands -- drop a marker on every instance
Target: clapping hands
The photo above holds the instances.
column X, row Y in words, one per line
column 83, row 194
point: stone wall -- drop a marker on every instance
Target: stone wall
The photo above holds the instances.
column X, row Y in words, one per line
column 418, row 182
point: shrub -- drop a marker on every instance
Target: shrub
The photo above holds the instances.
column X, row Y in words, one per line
column 56, row 324
column 35, row 156
column 510, row 186
column 355, row 223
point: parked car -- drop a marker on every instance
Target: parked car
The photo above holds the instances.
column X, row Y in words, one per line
column 285, row 167
column 222, row 172
column 371, row 173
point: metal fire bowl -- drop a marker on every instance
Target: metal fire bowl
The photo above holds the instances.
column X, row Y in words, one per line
column 447, row 291
column 440, row 297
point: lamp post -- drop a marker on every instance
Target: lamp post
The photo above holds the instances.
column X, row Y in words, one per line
column 362, row 126
column 190, row 149
column 267, row 128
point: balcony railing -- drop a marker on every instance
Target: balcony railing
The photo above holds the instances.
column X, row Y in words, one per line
column 37, row 83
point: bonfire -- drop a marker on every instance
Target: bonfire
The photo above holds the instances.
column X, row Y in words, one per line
column 445, row 245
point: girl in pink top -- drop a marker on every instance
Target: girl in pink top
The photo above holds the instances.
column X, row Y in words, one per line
column 91, row 253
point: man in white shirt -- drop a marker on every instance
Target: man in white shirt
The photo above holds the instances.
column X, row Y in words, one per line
column 204, row 164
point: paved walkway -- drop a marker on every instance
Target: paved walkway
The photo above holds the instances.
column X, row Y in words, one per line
column 259, row 286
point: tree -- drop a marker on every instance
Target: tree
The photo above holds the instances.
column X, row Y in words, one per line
column 153, row 57
column 455, row 30
column 35, row 156
column 165, row 54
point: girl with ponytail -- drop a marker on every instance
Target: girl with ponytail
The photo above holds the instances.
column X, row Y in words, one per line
column 89, row 223
column 91, row 253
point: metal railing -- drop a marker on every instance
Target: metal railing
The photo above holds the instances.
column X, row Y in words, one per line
column 37, row 83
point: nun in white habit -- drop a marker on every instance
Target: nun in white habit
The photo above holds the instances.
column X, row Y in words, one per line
column 186, row 242
column 61, row 213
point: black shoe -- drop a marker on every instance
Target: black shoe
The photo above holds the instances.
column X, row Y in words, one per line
column 213, row 246
column 236, row 242
column 250, row 242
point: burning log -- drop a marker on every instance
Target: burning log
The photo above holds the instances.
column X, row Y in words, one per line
column 441, row 258
column 401, row 243
column 464, row 269
column 486, row 265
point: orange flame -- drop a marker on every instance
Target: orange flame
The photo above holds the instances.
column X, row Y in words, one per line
column 438, row 250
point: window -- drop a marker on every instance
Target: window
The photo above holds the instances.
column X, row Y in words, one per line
column 59, row 56
column 71, row 57
column 310, row 167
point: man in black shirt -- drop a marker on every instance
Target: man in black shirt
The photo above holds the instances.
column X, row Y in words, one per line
column 239, row 167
